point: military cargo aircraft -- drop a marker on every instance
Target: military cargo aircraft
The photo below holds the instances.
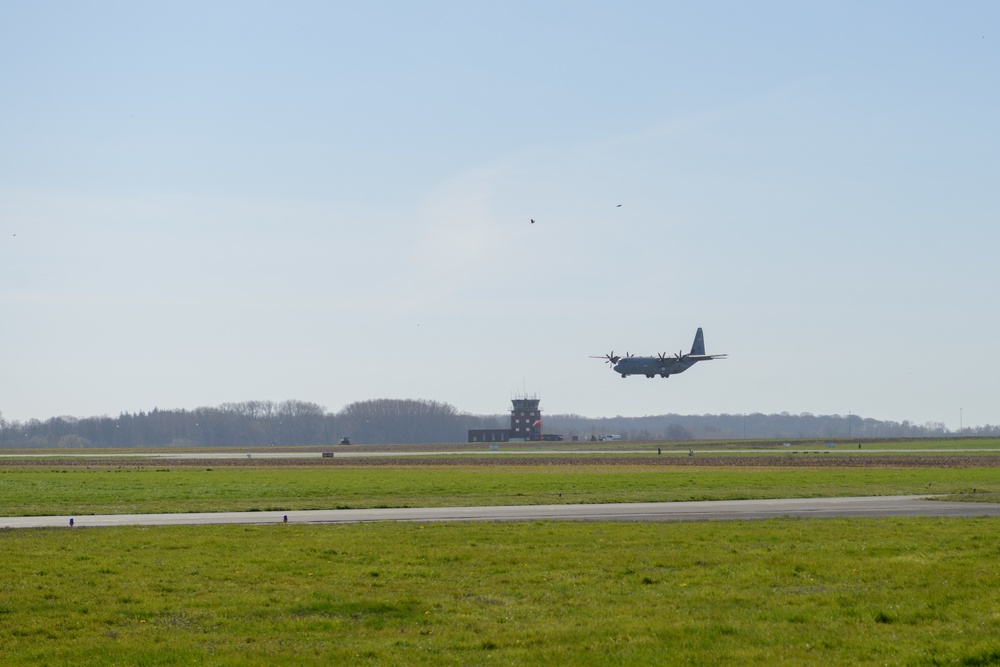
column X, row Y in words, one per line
column 663, row 365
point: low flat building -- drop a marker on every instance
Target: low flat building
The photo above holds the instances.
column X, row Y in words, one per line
column 489, row 435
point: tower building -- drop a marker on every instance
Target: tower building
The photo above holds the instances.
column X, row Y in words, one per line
column 525, row 423
column 525, row 419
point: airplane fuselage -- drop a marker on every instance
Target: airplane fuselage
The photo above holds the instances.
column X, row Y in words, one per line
column 653, row 366
column 663, row 365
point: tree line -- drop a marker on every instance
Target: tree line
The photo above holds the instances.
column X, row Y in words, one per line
column 251, row 424
column 405, row 421
column 751, row 426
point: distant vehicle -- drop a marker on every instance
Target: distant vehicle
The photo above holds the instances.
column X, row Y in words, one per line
column 663, row 365
column 607, row 438
column 345, row 440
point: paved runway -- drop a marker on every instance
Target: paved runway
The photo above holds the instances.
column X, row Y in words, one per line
column 714, row 510
column 359, row 454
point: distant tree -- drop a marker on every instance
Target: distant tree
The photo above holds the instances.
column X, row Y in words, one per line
column 401, row 421
column 392, row 421
column 72, row 441
column 678, row 432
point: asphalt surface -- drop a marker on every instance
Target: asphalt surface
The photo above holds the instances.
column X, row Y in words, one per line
column 355, row 454
column 714, row 510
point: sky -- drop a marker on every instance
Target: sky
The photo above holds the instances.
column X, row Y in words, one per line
column 204, row 203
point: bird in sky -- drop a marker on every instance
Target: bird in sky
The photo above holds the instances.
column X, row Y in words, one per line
column 532, row 221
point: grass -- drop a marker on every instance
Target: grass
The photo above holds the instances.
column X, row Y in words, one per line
column 779, row 592
column 909, row 591
column 851, row 445
column 970, row 446
column 40, row 490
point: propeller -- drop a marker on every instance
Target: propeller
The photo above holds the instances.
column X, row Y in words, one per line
column 609, row 358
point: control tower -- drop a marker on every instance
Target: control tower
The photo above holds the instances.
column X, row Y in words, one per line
column 525, row 418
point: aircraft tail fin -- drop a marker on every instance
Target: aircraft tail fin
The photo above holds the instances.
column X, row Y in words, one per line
column 698, row 348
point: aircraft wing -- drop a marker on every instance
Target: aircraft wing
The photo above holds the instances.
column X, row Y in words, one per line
column 705, row 357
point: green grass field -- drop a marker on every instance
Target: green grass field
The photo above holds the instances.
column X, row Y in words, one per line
column 778, row 592
column 912, row 591
column 77, row 490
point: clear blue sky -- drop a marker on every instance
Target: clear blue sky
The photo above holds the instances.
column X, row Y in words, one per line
column 204, row 203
